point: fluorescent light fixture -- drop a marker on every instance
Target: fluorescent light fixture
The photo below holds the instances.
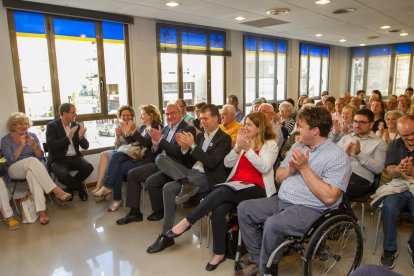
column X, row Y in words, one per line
column 172, row 4
column 342, row 40
column 319, row 35
column 239, row 18
column 362, row 44
column 403, row 34
column 322, row 2
column 385, row 27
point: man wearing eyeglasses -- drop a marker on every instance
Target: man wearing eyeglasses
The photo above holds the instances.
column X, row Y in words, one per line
column 63, row 138
column 400, row 167
column 186, row 117
column 367, row 153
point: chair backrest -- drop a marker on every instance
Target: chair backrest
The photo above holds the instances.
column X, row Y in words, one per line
column 45, row 148
column 375, row 184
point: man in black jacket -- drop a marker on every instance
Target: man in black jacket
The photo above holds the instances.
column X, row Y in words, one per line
column 164, row 142
column 207, row 150
column 63, row 138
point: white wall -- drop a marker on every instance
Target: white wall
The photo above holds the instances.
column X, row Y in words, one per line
column 144, row 74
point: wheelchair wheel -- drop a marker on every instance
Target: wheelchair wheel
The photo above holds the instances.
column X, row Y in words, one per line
column 335, row 248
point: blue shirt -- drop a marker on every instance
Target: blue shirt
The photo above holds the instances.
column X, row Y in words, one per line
column 8, row 147
column 329, row 162
column 396, row 151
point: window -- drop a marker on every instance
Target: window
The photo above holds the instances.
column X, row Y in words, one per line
column 69, row 60
column 192, row 63
column 264, row 68
column 384, row 67
column 314, row 69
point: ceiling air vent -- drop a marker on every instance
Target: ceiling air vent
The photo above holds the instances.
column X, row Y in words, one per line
column 394, row 31
column 266, row 22
column 342, row 11
column 373, row 37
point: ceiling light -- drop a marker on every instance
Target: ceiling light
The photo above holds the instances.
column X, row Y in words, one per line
column 319, row 35
column 385, row 27
column 239, row 18
column 277, row 11
column 172, row 4
column 322, row 2
column 342, row 40
column 404, row 34
column 362, row 44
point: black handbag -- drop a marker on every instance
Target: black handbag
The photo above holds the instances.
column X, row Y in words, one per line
column 232, row 236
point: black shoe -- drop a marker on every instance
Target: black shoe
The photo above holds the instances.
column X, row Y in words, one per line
column 188, row 190
column 83, row 195
column 157, row 215
column 211, row 267
column 388, row 259
column 160, row 244
column 170, row 234
column 129, row 218
column 411, row 250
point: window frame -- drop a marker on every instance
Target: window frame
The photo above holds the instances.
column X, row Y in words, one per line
column 258, row 38
column 56, row 101
column 321, row 46
column 179, row 50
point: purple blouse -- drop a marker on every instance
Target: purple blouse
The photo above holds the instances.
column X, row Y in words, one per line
column 9, row 146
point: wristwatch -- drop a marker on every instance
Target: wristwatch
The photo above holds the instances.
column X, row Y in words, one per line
column 193, row 146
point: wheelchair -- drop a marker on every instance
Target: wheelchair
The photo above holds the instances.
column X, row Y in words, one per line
column 332, row 245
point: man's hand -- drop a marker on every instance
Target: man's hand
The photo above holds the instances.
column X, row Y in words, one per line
column 186, row 137
column 155, row 134
column 299, row 160
column 82, row 132
column 406, row 166
column 72, row 132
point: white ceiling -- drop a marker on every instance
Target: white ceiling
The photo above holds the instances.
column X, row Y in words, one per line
column 305, row 17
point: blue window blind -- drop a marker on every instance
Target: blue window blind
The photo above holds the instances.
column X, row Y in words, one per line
column 358, row 52
column 113, row 32
column 403, row 49
column 29, row 24
column 74, row 29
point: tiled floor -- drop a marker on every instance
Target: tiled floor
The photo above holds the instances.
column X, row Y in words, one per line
column 83, row 239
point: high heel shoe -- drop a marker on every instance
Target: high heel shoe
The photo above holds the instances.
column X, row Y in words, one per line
column 172, row 235
column 103, row 191
column 66, row 197
column 103, row 198
column 96, row 189
column 115, row 206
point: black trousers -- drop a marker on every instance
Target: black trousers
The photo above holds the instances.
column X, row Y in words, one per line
column 357, row 187
column 220, row 201
column 61, row 169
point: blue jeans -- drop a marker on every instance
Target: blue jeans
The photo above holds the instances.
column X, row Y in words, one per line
column 118, row 166
column 393, row 205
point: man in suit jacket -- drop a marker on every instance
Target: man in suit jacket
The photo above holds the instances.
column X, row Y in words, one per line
column 164, row 142
column 208, row 150
column 63, row 138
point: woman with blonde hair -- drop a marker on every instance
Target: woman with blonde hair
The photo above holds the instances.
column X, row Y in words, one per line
column 24, row 160
column 120, row 163
column 389, row 134
column 252, row 176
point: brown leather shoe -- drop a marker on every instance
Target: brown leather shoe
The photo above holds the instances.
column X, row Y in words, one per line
column 250, row 270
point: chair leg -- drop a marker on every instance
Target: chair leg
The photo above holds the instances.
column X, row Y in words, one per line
column 374, row 245
column 208, row 230
column 362, row 219
column 201, row 231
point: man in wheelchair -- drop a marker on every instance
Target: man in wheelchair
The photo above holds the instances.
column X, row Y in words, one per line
column 314, row 175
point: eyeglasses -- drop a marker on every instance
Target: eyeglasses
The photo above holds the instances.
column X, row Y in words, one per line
column 360, row 122
column 172, row 113
column 72, row 112
column 405, row 136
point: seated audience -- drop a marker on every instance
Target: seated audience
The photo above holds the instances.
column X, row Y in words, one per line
column 163, row 142
column 24, row 157
column 197, row 122
column 339, row 105
column 234, row 101
column 5, row 209
column 356, row 102
column 229, row 124
column 124, row 113
column 186, row 117
column 329, row 103
column 392, row 102
column 409, row 91
column 314, row 175
column 347, row 126
column 267, row 110
column 377, row 107
column 252, row 161
column 366, row 152
column 120, row 163
column 308, row 100
column 207, row 150
column 347, row 98
column 404, row 104
column 389, row 134
column 285, row 119
column 63, row 137
column 400, row 167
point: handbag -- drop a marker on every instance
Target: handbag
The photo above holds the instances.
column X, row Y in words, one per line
column 134, row 150
column 29, row 214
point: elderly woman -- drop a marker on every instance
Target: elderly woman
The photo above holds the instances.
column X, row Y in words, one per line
column 120, row 163
column 125, row 114
column 252, row 176
column 24, row 158
column 286, row 121
column 390, row 134
column 404, row 104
